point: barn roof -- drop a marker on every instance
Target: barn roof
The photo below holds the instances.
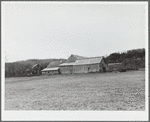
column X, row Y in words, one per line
column 73, row 58
column 88, row 61
column 54, row 64
column 111, row 64
column 79, row 57
column 50, row 69
column 67, row 64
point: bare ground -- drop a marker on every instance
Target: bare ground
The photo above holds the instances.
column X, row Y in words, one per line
column 106, row 91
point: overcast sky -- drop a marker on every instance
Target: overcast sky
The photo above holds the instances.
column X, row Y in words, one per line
column 41, row 30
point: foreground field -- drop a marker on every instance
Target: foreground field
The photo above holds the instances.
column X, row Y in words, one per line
column 106, row 91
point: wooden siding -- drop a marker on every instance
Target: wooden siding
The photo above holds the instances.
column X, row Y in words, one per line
column 87, row 68
column 50, row 72
column 98, row 67
column 66, row 69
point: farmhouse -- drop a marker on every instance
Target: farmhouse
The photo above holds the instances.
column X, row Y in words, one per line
column 34, row 70
column 96, row 64
column 52, row 68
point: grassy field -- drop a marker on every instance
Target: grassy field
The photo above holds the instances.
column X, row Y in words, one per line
column 105, row 91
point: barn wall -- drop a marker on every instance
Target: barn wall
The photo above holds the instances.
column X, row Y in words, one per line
column 80, row 69
column 86, row 68
column 51, row 72
column 66, row 69
column 94, row 68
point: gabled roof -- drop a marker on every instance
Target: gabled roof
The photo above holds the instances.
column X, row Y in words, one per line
column 54, row 64
column 79, row 57
column 88, row 61
column 34, row 65
column 50, row 69
column 73, row 58
column 31, row 67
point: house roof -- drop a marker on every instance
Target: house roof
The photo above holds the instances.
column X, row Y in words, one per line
column 50, row 69
column 88, row 61
column 54, row 64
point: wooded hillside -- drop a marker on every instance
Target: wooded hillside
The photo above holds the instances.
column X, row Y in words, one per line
column 130, row 60
column 120, row 57
column 18, row 68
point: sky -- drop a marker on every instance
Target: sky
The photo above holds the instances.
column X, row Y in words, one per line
column 44, row 30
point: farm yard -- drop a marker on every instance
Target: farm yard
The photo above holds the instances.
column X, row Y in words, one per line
column 92, row 91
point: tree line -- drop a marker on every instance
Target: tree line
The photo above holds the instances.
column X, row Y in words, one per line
column 19, row 68
column 131, row 59
column 122, row 56
column 16, row 69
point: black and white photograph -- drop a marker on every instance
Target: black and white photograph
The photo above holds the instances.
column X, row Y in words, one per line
column 74, row 60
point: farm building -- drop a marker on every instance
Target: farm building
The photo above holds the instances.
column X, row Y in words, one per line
column 96, row 64
column 115, row 66
column 34, row 70
column 52, row 68
column 66, row 68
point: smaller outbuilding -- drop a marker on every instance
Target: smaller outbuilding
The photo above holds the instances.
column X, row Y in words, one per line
column 33, row 70
column 115, row 66
column 52, row 68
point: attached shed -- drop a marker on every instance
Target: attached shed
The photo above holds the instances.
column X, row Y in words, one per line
column 90, row 65
column 52, row 71
column 52, row 68
column 114, row 66
column 66, row 68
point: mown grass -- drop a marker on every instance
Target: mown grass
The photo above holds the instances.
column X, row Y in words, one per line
column 106, row 91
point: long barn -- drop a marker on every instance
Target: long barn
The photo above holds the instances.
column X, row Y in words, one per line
column 96, row 64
